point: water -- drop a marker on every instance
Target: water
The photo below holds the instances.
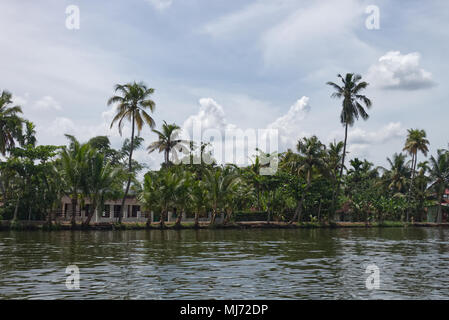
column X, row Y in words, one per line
column 226, row 264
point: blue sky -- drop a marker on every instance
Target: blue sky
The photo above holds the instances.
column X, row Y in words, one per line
column 245, row 64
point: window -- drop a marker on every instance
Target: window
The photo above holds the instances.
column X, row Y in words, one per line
column 134, row 211
column 106, row 211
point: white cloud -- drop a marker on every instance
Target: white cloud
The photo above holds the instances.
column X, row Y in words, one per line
column 360, row 140
column 210, row 116
column 288, row 125
column 400, row 71
column 47, row 103
column 240, row 142
column 19, row 100
column 160, row 4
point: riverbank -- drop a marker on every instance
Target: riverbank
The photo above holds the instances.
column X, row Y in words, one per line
column 41, row 225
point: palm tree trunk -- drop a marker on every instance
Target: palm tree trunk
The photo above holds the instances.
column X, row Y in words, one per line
column 90, row 214
column 74, row 203
column 162, row 222
column 337, row 190
column 214, row 215
column 122, row 208
column 227, row 217
column 16, row 210
column 344, row 153
column 197, row 219
column 179, row 218
column 414, row 161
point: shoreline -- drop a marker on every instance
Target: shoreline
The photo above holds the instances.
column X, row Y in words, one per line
column 42, row 226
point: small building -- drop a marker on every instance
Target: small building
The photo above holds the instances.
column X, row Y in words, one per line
column 432, row 210
column 133, row 210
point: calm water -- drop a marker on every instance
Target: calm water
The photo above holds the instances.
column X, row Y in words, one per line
column 231, row 264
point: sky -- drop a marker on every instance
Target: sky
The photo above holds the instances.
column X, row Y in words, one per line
column 253, row 64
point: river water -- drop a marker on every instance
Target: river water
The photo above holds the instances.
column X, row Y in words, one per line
column 412, row 263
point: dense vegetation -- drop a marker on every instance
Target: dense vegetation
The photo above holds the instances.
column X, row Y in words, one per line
column 313, row 182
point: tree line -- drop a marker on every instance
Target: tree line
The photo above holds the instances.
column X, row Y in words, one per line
column 313, row 183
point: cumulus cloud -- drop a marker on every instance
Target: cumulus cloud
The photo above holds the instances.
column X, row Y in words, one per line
column 400, row 71
column 160, row 4
column 238, row 144
column 47, row 103
column 210, row 116
column 288, row 124
column 360, row 140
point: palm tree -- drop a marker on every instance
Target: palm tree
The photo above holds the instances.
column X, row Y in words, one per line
column 170, row 185
column 150, row 195
column 168, row 139
column 220, row 182
column 74, row 165
column 310, row 158
column 333, row 163
column 439, row 175
column 98, row 180
column 199, row 196
column 416, row 141
column 352, row 108
column 396, row 178
column 132, row 105
column 10, row 122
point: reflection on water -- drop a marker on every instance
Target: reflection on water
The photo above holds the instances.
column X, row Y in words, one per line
column 226, row 264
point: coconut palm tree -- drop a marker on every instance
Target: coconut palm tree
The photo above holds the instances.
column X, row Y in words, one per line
column 150, row 195
column 220, row 182
column 310, row 158
column 98, row 181
column 132, row 104
column 416, row 142
column 439, row 175
column 352, row 108
column 333, row 163
column 170, row 185
column 168, row 141
column 199, row 197
column 10, row 122
column 396, row 178
column 73, row 169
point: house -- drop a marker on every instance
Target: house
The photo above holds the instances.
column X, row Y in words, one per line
column 111, row 211
column 432, row 211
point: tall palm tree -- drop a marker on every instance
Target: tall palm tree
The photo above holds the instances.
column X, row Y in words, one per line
column 416, row 141
column 10, row 122
column 132, row 103
column 352, row 108
column 310, row 158
column 439, row 175
column 168, row 139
